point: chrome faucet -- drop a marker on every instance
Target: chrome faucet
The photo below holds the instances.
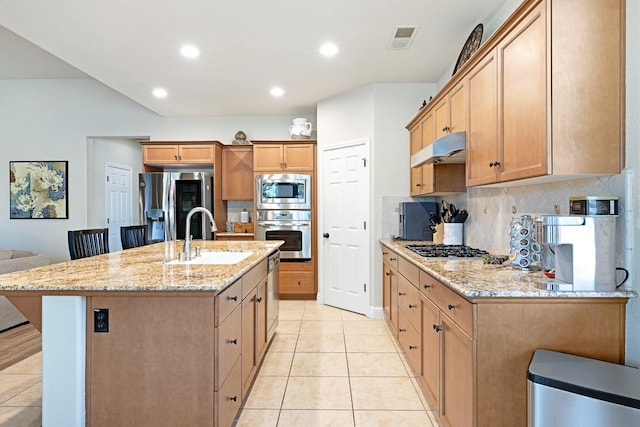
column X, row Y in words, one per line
column 187, row 237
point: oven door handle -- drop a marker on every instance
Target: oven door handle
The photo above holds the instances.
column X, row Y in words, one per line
column 283, row 224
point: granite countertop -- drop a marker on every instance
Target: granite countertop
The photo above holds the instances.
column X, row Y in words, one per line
column 473, row 279
column 147, row 268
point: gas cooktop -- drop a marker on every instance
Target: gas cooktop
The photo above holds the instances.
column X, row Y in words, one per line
column 445, row 251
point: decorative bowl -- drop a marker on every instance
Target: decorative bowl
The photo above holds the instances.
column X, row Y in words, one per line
column 492, row 259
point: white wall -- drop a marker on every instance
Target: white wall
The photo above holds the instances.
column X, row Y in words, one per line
column 380, row 113
column 53, row 119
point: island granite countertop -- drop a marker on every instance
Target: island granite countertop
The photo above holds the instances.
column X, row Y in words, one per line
column 472, row 279
column 147, row 268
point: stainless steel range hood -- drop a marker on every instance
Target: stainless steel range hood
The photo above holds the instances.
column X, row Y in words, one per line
column 450, row 148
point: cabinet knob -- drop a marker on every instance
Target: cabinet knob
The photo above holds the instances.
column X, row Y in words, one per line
column 232, row 298
column 259, row 300
column 401, row 294
column 233, row 341
column 325, row 235
column 492, row 164
column 413, row 347
column 451, row 306
column 446, row 129
column 234, row 398
column 402, row 330
column 175, row 156
column 387, row 273
column 426, row 286
column 437, row 328
column 412, row 305
column 392, row 259
column 418, row 185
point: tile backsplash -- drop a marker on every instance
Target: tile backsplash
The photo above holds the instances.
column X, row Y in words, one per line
column 491, row 209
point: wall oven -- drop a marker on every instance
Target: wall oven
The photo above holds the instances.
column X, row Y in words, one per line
column 293, row 227
column 283, row 191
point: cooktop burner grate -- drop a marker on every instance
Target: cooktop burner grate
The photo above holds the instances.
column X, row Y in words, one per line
column 445, row 251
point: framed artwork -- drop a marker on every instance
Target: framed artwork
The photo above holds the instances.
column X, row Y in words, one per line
column 38, row 190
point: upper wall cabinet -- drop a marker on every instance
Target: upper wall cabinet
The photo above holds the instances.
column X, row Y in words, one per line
column 156, row 153
column 543, row 96
column 237, row 172
column 556, row 108
column 271, row 156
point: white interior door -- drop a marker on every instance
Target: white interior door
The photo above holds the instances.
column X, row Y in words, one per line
column 118, row 203
column 344, row 232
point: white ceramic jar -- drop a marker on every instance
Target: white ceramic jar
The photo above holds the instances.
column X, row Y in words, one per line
column 300, row 129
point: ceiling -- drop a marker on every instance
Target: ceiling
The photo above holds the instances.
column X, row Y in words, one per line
column 247, row 47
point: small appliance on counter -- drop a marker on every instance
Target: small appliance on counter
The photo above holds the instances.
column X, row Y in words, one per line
column 415, row 220
column 582, row 249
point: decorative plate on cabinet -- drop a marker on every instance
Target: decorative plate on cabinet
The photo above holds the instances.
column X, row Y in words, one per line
column 470, row 46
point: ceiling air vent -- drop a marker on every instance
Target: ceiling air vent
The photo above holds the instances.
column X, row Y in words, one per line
column 403, row 36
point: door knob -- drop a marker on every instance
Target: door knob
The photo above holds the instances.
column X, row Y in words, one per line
column 325, row 235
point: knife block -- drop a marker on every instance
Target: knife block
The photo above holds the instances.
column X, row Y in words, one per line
column 438, row 236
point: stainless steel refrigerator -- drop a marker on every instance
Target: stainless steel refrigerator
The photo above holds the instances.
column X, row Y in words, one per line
column 165, row 199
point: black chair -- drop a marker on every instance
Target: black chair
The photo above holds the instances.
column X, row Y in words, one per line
column 86, row 243
column 133, row 236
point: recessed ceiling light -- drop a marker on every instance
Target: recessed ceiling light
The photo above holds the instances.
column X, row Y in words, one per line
column 277, row 92
column 190, row 51
column 160, row 92
column 329, row 49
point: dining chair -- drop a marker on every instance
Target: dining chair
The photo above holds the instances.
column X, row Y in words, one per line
column 87, row 243
column 133, row 236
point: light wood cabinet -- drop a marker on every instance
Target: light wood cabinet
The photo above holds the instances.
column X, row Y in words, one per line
column 471, row 355
column 254, row 322
column 433, row 179
column 237, row 173
column 283, row 157
column 544, row 98
column 161, row 154
column 482, row 126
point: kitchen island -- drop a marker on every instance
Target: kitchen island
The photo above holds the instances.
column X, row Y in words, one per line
column 135, row 338
column 469, row 330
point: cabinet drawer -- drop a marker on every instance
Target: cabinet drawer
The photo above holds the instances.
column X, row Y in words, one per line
column 409, row 301
column 228, row 338
column 409, row 340
column 251, row 279
column 227, row 301
column 228, row 399
column 409, row 270
column 298, row 282
column 452, row 304
column 390, row 257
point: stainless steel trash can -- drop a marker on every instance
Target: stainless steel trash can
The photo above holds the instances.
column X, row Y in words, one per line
column 566, row 391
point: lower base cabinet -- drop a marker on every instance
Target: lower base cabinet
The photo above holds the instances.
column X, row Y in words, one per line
column 297, row 280
column 176, row 359
column 473, row 355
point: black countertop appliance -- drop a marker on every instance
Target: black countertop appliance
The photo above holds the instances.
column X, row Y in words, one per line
column 414, row 220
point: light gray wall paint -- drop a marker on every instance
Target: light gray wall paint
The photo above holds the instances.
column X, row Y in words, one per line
column 53, row 119
column 380, row 113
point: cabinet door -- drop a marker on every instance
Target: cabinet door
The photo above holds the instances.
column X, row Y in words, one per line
column 248, row 340
column 299, row 157
column 456, row 406
column 431, row 350
column 415, row 138
column 428, row 135
column 457, row 109
column 195, row 153
column 160, row 154
column 267, row 157
column 442, row 122
column 482, row 125
column 237, row 173
column 261, row 320
column 386, row 291
column 522, row 58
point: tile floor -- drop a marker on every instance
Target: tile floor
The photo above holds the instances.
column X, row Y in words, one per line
column 329, row 367
column 325, row 367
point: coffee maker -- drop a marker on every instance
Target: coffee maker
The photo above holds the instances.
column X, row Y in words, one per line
column 582, row 250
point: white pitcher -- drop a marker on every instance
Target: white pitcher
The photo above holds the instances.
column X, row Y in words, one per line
column 300, row 128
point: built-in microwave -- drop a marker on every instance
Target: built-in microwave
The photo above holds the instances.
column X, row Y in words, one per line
column 283, row 191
